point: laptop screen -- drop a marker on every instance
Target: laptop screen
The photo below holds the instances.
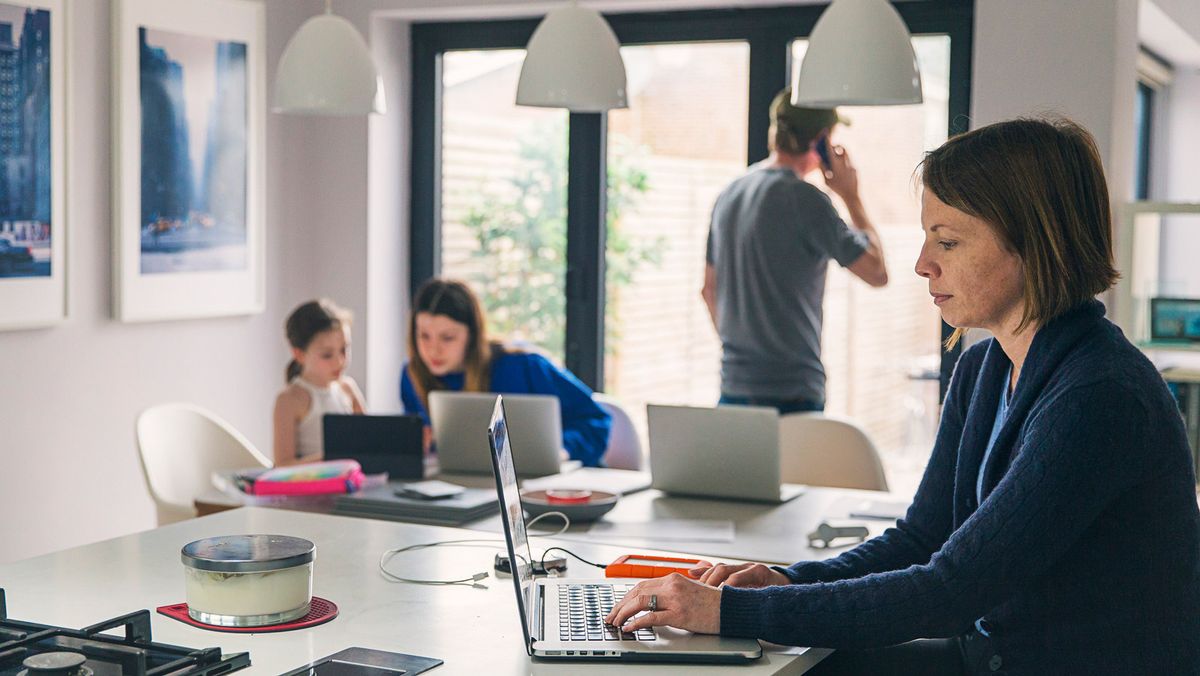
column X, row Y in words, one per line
column 510, row 507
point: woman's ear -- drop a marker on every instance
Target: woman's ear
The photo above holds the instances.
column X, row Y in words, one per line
column 298, row 355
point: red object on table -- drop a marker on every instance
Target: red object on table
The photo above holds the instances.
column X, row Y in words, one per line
column 320, row 611
column 644, row 565
column 567, row 497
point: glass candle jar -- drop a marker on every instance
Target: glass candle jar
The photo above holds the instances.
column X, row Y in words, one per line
column 248, row 580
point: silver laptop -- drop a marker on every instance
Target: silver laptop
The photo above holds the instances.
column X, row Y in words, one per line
column 457, row 418
column 563, row 618
column 723, row 452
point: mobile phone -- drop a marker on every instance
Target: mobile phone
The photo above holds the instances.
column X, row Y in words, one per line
column 823, row 151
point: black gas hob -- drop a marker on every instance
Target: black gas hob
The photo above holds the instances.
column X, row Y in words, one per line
column 28, row 649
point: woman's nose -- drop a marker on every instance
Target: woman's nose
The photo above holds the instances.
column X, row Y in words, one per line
column 925, row 267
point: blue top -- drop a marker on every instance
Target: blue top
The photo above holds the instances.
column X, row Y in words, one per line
column 1084, row 554
column 997, row 425
column 585, row 425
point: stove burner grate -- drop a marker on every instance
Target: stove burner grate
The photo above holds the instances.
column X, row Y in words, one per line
column 30, row 649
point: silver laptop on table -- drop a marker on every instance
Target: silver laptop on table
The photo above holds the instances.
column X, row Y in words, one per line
column 457, row 418
column 723, row 452
column 563, row 618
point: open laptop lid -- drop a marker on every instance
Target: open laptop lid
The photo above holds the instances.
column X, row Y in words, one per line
column 723, row 452
column 513, row 516
column 672, row 645
column 533, row 423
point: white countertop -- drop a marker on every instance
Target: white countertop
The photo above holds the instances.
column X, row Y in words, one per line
column 474, row 631
column 768, row 533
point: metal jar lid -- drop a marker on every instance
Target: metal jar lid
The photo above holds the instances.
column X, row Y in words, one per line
column 247, row 553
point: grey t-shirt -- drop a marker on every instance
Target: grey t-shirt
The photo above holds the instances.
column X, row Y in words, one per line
column 770, row 241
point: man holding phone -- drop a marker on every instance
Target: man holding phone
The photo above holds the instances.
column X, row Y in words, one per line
column 769, row 244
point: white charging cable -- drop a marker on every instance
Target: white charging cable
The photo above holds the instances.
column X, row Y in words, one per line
column 473, row 580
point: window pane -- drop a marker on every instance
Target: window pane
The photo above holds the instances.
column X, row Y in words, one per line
column 1142, row 114
column 880, row 346
column 682, row 139
column 503, row 201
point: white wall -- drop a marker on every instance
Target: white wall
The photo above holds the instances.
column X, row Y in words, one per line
column 1171, row 29
column 387, row 222
column 1181, row 182
column 1072, row 57
column 1182, row 138
column 69, row 395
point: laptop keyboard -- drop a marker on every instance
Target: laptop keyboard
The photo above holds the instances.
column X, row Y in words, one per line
column 582, row 609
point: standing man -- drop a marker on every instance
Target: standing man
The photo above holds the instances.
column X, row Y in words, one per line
column 769, row 244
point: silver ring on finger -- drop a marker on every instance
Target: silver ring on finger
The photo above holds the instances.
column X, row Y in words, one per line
column 653, row 605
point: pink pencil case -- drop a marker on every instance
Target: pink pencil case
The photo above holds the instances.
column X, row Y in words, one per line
column 316, row 478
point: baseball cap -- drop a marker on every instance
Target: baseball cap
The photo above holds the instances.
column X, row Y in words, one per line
column 804, row 123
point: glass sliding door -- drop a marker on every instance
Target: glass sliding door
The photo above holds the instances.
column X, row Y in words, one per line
column 682, row 139
column 880, row 346
column 508, row 199
column 503, row 197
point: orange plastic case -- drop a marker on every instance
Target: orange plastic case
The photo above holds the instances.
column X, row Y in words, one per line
column 634, row 565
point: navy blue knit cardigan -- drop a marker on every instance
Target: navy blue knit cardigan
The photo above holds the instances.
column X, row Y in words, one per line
column 1084, row 555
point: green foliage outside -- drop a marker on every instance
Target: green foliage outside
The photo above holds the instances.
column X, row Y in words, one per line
column 521, row 233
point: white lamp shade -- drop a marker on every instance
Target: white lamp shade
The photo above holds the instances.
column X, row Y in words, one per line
column 859, row 54
column 327, row 69
column 573, row 61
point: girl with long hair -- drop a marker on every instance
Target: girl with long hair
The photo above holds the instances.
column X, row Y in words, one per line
column 449, row 349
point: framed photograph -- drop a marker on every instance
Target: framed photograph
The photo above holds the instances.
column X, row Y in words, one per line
column 189, row 106
column 33, row 271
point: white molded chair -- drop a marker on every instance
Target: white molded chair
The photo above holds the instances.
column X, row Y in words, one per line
column 820, row 450
column 181, row 445
column 624, row 446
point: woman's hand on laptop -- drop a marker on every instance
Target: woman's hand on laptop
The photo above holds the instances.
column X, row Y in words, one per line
column 739, row 575
column 677, row 601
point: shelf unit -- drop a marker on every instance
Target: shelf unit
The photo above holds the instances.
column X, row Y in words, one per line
column 1139, row 247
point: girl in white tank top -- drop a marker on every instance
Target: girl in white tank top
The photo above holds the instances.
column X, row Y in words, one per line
column 333, row 398
column 319, row 333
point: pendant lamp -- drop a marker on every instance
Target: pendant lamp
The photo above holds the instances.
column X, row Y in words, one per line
column 573, row 61
column 327, row 69
column 859, row 54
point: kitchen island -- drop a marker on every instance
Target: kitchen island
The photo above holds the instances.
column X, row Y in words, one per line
column 473, row 630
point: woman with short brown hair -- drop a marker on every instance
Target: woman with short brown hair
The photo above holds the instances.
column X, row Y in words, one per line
column 1039, row 185
column 1056, row 528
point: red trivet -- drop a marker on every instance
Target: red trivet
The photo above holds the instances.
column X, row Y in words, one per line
column 320, row 611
